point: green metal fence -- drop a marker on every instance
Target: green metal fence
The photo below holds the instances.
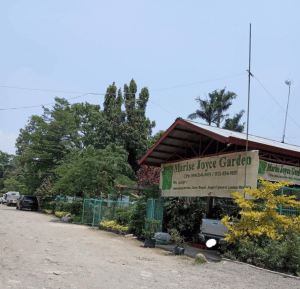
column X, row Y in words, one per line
column 155, row 211
column 96, row 210
column 288, row 192
column 61, row 199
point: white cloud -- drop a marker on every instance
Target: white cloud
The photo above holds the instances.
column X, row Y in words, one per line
column 7, row 142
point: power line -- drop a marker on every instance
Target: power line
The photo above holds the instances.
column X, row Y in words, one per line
column 198, row 82
column 38, row 89
column 275, row 101
column 94, row 93
column 45, row 103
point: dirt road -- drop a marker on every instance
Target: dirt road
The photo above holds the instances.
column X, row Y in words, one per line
column 37, row 251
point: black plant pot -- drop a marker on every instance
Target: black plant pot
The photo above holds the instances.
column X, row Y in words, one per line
column 149, row 243
column 178, row 251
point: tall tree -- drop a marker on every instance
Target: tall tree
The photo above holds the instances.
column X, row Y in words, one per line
column 129, row 128
column 45, row 141
column 234, row 123
column 82, row 171
column 207, row 110
column 212, row 109
column 223, row 100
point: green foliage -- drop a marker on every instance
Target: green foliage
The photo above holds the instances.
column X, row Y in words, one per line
column 130, row 128
column 137, row 222
column 11, row 184
column 123, row 215
column 150, row 230
column 45, row 190
column 72, row 208
column 45, row 141
column 78, row 142
column 177, row 238
column 151, row 192
column 199, row 261
column 184, row 214
column 154, row 139
column 257, row 221
column 212, row 110
column 48, row 205
column 279, row 255
column 234, row 123
column 82, row 171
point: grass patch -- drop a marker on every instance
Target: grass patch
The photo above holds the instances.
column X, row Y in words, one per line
column 199, row 262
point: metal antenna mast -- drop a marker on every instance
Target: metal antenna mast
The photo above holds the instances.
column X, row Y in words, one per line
column 249, row 74
column 288, row 82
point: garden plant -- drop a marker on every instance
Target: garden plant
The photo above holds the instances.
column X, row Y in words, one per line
column 262, row 236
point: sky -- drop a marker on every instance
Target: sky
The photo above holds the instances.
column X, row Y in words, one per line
column 180, row 50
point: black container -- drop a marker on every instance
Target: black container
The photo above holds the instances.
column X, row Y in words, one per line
column 178, row 251
column 149, row 243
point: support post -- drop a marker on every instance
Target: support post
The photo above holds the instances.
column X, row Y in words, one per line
column 209, row 205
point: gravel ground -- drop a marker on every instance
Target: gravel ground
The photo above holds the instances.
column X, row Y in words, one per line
column 38, row 251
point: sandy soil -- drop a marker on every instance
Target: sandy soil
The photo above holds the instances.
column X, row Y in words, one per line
column 37, row 251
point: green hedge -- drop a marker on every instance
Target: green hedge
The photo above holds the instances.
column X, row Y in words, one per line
column 281, row 255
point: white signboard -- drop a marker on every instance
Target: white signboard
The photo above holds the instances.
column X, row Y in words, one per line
column 276, row 172
column 211, row 176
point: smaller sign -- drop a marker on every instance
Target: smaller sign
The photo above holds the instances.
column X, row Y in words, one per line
column 277, row 172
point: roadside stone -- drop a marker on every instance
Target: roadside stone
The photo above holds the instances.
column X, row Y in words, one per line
column 201, row 257
column 66, row 218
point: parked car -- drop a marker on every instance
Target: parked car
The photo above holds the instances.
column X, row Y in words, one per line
column 212, row 229
column 11, row 198
column 3, row 200
column 27, row 202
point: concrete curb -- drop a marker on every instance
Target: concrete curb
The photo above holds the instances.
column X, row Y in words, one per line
column 262, row 269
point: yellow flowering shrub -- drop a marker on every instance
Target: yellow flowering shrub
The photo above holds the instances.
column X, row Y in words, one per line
column 256, row 220
column 113, row 225
column 48, row 211
column 60, row 214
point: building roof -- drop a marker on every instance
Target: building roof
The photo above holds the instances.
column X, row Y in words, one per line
column 242, row 136
column 189, row 139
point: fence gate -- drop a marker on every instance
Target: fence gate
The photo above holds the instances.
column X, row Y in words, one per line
column 155, row 211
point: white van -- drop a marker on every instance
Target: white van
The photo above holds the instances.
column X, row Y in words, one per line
column 12, row 198
column 3, row 199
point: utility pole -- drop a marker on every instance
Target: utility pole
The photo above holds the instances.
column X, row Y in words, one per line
column 249, row 74
column 102, row 183
column 288, row 82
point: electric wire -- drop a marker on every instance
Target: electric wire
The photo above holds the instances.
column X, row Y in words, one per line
column 276, row 101
column 94, row 93
column 24, row 107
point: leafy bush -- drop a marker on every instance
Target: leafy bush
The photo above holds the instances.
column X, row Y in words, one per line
column 49, row 206
column 281, row 255
column 259, row 219
column 73, row 208
column 114, row 225
column 76, row 219
column 184, row 214
column 137, row 222
column 60, row 214
column 150, row 229
column 177, row 239
column 123, row 215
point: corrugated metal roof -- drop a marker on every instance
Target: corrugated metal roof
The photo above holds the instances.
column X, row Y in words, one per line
column 186, row 139
column 228, row 133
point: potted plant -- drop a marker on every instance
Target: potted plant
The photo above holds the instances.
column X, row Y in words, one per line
column 179, row 241
column 149, row 231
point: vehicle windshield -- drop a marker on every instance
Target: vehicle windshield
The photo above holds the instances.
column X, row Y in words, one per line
column 30, row 198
